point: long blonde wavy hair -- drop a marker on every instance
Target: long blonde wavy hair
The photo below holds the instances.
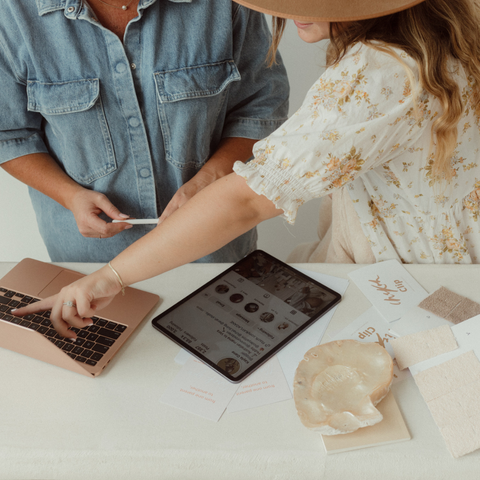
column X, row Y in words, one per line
column 431, row 32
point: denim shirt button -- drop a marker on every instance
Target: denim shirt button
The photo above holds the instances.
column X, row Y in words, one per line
column 121, row 67
column 134, row 122
column 70, row 9
column 144, row 172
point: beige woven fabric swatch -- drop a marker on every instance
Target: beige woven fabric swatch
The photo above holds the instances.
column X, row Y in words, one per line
column 451, row 306
column 417, row 347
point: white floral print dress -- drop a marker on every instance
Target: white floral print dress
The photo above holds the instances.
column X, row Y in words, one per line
column 360, row 129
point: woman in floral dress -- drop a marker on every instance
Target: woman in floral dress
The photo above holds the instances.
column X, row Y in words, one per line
column 390, row 132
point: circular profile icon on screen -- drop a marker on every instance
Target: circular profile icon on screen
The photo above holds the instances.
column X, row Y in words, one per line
column 283, row 326
column 267, row 317
column 236, row 298
column 221, row 288
column 251, row 307
column 230, row 365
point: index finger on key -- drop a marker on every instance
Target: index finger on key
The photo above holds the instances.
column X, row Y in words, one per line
column 42, row 305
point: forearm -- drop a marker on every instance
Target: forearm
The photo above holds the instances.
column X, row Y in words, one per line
column 40, row 171
column 211, row 219
column 220, row 164
column 229, row 151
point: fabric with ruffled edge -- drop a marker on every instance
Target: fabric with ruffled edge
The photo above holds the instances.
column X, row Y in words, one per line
column 286, row 192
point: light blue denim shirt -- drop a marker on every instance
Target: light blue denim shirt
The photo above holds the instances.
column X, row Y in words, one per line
column 134, row 120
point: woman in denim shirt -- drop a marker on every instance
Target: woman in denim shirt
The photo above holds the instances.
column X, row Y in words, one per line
column 108, row 112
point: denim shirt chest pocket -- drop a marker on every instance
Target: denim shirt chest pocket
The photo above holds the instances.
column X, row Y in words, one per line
column 76, row 127
column 191, row 105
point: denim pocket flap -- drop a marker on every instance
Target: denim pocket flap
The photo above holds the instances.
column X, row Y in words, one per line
column 195, row 82
column 62, row 97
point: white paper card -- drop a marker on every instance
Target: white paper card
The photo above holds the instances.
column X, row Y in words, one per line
column 417, row 320
column 183, row 357
column 199, row 390
column 264, row 386
column 390, row 288
column 370, row 327
column 467, row 334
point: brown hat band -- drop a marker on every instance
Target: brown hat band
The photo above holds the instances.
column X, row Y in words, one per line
column 328, row 10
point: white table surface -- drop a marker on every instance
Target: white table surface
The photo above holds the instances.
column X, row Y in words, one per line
column 55, row 424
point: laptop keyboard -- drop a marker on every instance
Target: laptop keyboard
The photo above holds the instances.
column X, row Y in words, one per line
column 92, row 342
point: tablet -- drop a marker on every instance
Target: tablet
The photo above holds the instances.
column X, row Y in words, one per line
column 241, row 318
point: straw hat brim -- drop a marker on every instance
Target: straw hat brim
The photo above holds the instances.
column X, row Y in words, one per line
column 328, row 10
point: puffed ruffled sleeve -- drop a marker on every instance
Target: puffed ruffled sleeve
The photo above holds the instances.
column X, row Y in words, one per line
column 360, row 114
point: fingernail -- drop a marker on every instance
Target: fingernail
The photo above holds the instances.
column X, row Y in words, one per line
column 128, row 227
column 123, row 215
column 14, row 310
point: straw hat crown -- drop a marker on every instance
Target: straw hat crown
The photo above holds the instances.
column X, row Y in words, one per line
column 328, row 10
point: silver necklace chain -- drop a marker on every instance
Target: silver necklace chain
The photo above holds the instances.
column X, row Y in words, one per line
column 123, row 7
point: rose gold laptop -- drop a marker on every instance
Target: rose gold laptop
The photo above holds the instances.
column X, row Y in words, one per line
column 34, row 336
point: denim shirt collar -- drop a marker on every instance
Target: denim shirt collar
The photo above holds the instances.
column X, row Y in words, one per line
column 47, row 6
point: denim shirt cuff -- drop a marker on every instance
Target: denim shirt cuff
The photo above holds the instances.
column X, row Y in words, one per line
column 255, row 128
column 17, row 147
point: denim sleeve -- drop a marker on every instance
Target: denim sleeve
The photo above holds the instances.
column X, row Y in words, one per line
column 20, row 130
column 258, row 104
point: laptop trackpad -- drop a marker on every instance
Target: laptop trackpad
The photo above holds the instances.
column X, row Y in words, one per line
column 61, row 280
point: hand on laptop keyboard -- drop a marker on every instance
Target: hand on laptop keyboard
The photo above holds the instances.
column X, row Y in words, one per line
column 92, row 342
column 76, row 303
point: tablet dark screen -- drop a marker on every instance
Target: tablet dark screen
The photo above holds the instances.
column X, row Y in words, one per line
column 245, row 315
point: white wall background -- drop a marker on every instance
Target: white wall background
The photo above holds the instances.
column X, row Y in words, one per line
column 19, row 236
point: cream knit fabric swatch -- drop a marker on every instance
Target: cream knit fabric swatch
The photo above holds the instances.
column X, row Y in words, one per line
column 417, row 347
column 451, row 391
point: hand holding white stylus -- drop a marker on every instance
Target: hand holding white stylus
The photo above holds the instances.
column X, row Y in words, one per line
column 138, row 221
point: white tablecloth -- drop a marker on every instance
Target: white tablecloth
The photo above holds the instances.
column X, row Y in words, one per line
column 55, row 424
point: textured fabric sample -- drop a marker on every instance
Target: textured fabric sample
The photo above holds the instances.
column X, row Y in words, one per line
column 415, row 348
column 463, row 311
column 451, row 391
column 448, row 376
column 451, row 306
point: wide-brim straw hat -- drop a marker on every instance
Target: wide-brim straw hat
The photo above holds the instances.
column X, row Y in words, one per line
column 328, row 10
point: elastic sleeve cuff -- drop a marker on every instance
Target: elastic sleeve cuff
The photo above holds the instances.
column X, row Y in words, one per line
column 286, row 192
column 253, row 128
column 18, row 147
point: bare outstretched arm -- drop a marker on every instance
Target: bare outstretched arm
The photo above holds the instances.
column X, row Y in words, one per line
column 212, row 218
column 218, row 165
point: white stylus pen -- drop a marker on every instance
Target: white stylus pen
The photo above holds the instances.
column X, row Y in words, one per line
column 138, row 221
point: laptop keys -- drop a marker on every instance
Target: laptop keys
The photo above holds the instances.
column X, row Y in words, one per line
column 91, row 344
